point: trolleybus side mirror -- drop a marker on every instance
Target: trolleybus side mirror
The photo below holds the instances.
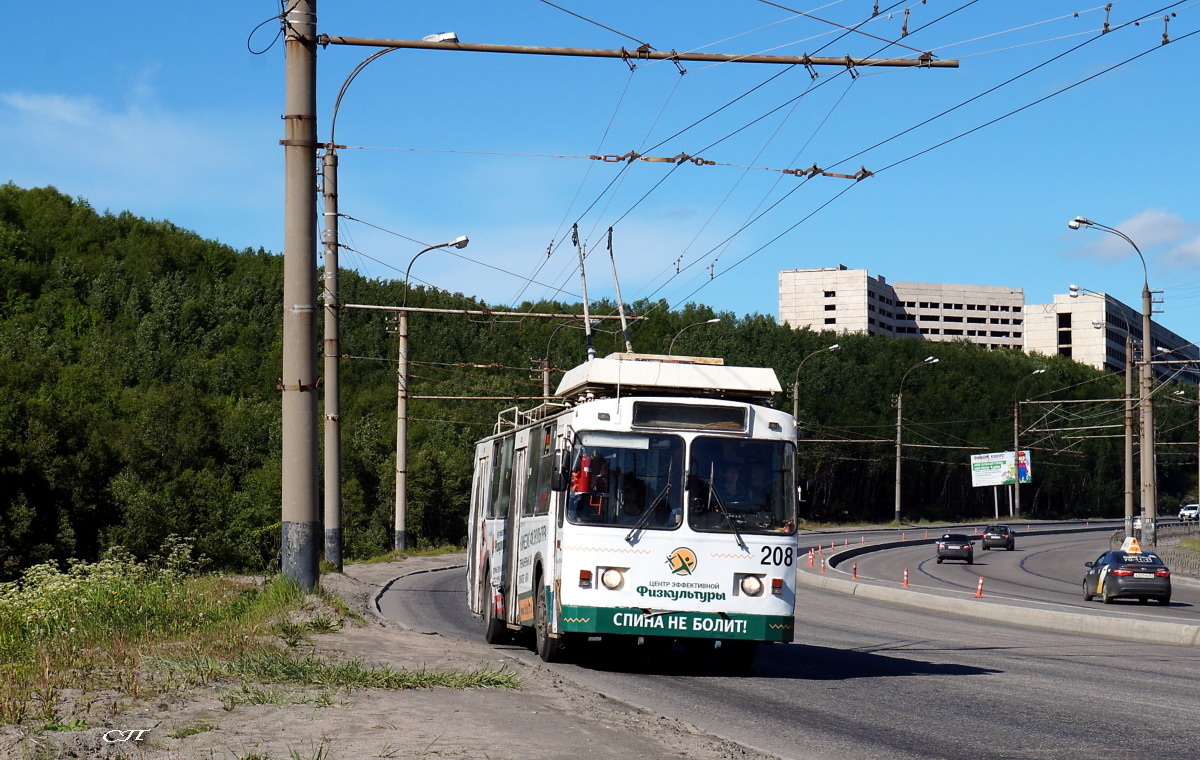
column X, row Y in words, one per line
column 559, row 477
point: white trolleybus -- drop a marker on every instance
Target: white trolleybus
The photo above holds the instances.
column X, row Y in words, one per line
column 656, row 503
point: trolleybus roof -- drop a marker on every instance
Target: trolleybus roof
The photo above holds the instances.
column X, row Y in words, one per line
column 656, row 375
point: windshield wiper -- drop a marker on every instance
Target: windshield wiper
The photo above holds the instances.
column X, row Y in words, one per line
column 641, row 521
column 712, row 494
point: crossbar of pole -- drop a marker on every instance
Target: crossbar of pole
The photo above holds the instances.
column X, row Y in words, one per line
column 849, row 440
column 488, row 398
column 1065, row 429
column 1074, row 401
column 923, row 62
column 479, row 312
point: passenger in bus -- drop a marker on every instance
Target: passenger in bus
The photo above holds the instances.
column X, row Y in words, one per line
column 590, row 500
column 600, row 473
column 633, row 496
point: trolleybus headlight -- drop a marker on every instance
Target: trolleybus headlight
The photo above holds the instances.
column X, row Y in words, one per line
column 612, row 578
column 751, row 585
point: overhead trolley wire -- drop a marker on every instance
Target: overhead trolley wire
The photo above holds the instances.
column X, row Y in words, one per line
column 975, row 129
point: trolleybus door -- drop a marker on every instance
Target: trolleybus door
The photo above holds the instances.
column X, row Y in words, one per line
column 512, row 533
column 478, row 590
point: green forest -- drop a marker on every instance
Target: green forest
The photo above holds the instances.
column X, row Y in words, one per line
column 140, row 365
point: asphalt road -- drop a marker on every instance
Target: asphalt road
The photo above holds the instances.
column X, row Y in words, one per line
column 870, row 680
column 1043, row 570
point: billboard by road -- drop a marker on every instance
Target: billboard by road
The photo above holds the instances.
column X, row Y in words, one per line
column 1001, row 468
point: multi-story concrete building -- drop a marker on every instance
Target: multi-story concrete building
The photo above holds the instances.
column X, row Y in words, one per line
column 850, row 300
column 1092, row 328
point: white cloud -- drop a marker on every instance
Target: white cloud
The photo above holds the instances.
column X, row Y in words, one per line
column 1163, row 238
column 141, row 156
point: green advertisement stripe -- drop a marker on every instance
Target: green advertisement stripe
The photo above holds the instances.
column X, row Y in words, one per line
column 703, row 625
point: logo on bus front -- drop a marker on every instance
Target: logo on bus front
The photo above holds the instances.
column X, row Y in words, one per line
column 682, row 561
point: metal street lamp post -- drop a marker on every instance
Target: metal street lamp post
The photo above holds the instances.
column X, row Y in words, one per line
column 796, row 382
column 1016, row 445
column 899, row 418
column 400, row 530
column 1149, row 476
column 671, row 347
column 1128, row 397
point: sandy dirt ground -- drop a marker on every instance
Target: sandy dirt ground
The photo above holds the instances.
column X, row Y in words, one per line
column 547, row 718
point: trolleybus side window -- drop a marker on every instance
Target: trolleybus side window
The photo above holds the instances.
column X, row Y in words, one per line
column 742, row 486
column 502, row 454
column 541, row 462
column 623, row 479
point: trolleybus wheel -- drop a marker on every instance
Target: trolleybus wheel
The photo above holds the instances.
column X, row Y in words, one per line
column 494, row 629
column 548, row 648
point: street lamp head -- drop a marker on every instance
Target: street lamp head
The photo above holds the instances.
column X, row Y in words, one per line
column 1080, row 221
column 443, row 37
column 459, row 242
column 1097, row 324
column 1038, row 372
column 931, row 360
column 1074, row 290
column 713, row 321
column 834, row 347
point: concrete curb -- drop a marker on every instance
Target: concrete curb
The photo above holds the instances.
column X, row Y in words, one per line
column 1147, row 631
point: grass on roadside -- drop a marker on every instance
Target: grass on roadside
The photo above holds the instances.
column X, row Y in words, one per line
column 118, row 629
column 1190, row 543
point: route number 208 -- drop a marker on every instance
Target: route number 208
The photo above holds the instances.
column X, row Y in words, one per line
column 777, row 555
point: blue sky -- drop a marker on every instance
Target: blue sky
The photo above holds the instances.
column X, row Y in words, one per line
column 171, row 111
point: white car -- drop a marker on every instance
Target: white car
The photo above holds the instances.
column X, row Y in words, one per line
column 1190, row 513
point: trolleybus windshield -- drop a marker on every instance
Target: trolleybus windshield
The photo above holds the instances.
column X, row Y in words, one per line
column 741, row 486
column 616, row 477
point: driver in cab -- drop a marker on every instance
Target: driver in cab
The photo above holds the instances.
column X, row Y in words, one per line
column 731, row 488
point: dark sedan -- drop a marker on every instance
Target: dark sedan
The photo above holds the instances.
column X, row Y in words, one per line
column 1127, row 574
column 997, row 537
column 955, row 546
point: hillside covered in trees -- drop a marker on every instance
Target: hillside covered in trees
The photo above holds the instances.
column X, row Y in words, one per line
column 139, row 365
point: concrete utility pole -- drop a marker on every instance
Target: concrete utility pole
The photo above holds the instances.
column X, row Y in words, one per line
column 400, row 529
column 333, row 404
column 299, row 382
column 1149, row 472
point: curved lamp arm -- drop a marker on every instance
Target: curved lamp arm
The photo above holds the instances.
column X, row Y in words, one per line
column 671, row 347
column 458, row 242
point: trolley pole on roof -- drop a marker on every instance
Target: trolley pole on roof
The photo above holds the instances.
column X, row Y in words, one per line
column 298, row 384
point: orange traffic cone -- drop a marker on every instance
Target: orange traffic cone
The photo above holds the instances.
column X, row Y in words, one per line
column 979, row 589
column 906, row 577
